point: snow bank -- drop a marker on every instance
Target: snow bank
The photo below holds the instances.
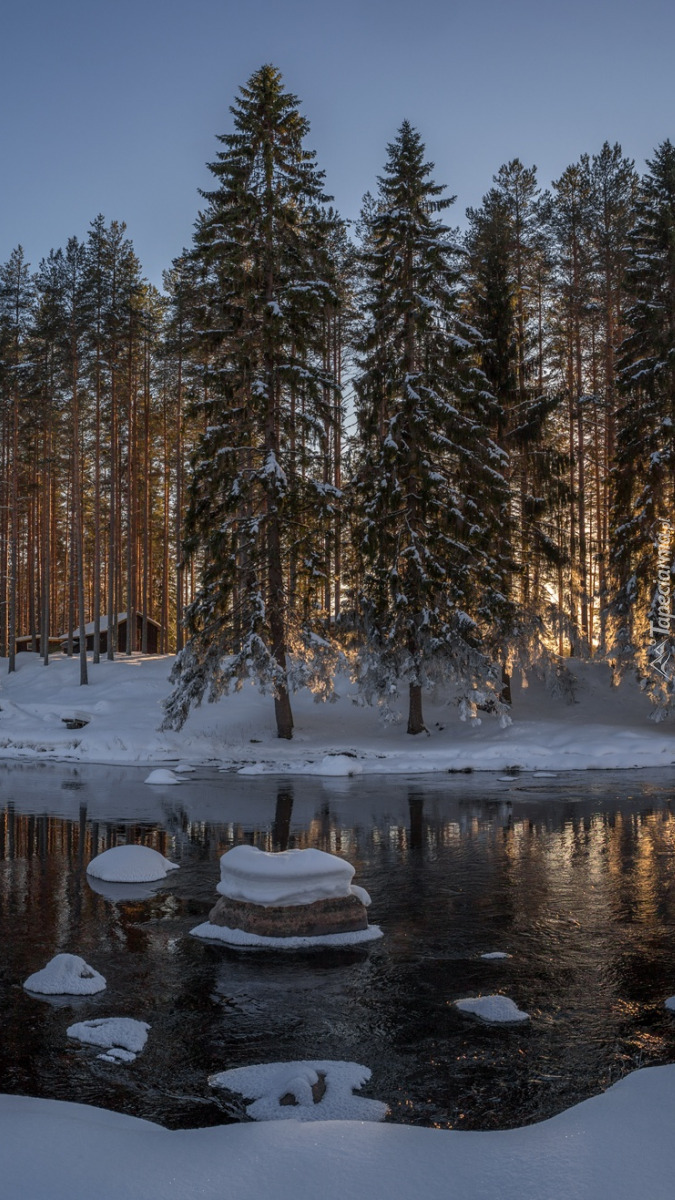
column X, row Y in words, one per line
column 130, row 864
column 497, row 1009
column 321, row 1090
column 66, row 975
column 336, row 764
column 607, row 727
column 237, row 937
column 122, row 1037
column 287, row 878
column 617, row 1145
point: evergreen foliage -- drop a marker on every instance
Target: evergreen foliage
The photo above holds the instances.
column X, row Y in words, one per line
column 259, row 505
column 645, row 459
column 430, row 491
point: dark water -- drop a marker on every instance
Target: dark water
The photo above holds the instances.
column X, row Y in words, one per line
column 574, row 877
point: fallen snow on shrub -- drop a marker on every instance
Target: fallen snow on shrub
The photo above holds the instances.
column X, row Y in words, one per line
column 290, row 877
column 498, row 1009
column 237, row 937
column 320, row 1090
column 66, row 975
column 122, row 1037
column 162, row 776
column 130, row 864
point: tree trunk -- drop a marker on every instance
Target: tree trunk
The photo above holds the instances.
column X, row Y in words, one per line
column 415, row 718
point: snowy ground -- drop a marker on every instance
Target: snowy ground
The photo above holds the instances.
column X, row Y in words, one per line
column 617, row 1145
column 604, row 728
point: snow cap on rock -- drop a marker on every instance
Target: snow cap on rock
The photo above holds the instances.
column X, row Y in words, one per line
column 65, row 975
column 130, row 864
column 290, row 877
column 498, row 1009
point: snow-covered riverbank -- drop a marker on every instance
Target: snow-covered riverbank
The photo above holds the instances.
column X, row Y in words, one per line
column 618, row 1144
column 117, row 720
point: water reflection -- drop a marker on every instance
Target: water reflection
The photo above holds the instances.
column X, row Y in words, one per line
column 576, row 883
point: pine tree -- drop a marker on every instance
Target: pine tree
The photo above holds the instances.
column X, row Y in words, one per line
column 16, row 305
column 645, row 460
column 430, row 486
column 503, row 255
column 258, row 501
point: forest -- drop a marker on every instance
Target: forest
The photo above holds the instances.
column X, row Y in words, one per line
column 430, row 452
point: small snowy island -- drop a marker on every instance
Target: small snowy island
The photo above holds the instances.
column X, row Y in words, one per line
column 130, row 864
column 290, row 899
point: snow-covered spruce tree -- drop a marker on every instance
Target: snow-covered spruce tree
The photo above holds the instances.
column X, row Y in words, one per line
column 258, row 500
column 645, row 455
column 429, row 493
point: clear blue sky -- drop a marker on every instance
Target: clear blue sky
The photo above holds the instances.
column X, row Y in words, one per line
column 114, row 108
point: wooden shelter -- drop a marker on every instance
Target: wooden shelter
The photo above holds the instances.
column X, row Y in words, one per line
column 153, row 628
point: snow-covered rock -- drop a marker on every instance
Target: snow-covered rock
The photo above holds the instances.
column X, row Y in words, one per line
column 162, row 776
column 494, row 955
column 66, row 975
column 320, row 1090
column 130, row 864
column 496, row 1009
column 287, row 878
column 239, row 937
column 122, row 1037
column 670, row 1003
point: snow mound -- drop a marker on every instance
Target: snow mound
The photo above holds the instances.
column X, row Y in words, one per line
column 498, row 1009
column 320, row 1090
column 162, row 776
column 670, row 1003
column 336, row 764
column 495, row 954
column 290, row 877
column 130, row 864
column 237, row 937
column 183, row 768
column 122, row 1037
column 65, row 975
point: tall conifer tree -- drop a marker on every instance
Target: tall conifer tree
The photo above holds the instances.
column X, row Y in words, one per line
column 430, row 487
column 258, row 498
column 645, row 461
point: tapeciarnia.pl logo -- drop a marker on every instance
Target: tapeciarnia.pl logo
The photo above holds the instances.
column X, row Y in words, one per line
column 659, row 628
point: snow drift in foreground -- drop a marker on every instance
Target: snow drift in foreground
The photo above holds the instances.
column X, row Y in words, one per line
column 321, row 1090
column 122, row 1037
column 65, row 975
column 606, row 727
column 617, row 1145
column 130, row 864
column 497, row 1009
